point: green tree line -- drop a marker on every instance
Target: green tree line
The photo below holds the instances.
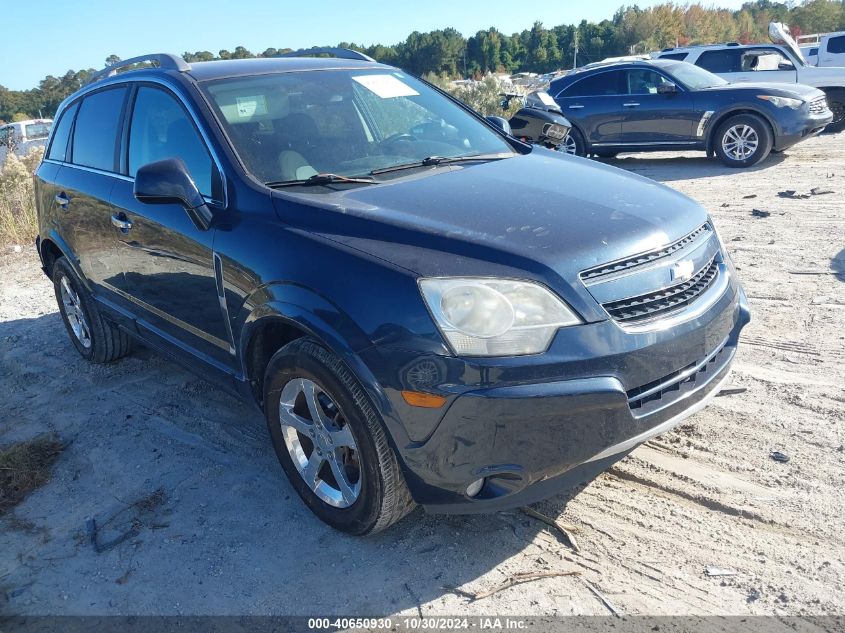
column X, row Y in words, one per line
column 540, row 49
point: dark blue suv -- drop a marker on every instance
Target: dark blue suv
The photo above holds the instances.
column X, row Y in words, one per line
column 665, row 105
column 426, row 310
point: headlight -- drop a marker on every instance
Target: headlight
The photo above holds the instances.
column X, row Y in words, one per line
column 495, row 317
column 782, row 102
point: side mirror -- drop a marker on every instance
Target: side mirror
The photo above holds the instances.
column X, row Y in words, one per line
column 168, row 182
column 786, row 65
column 500, row 123
column 667, row 88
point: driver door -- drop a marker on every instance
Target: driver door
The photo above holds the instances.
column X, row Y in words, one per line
column 651, row 117
column 168, row 261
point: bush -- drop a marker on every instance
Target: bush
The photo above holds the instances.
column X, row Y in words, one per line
column 18, row 218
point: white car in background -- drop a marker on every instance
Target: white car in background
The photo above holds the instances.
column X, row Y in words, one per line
column 22, row 136
column 824, row 49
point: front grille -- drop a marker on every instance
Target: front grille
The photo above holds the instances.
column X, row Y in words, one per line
column 605, row 270
column 653, row 305
column 818, row 105
column 655, row 395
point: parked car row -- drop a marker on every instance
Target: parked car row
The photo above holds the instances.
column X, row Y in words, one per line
column 427, row 310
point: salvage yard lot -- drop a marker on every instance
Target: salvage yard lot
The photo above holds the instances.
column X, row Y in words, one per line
column 192, row 514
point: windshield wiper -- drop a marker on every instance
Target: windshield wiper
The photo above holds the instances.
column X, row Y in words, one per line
column 439, row 160
column 321, row 179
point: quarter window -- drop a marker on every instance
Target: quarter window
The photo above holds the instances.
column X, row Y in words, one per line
column 58, row 146
column 600, row 84
column 96, row 131
column 721, row 61
column 161, row 128
column 835, row 45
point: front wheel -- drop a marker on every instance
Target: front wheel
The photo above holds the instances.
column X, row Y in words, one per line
column 573, row 144
column 742, row 141
column 330, row 441
column 836, row 103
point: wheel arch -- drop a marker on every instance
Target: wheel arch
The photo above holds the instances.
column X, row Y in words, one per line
column 716, row 121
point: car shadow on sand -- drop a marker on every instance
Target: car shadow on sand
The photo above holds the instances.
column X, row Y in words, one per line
column 168, row 499
column 668, row 169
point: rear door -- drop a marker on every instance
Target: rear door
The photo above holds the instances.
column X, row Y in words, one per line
column 84, row 184
column 594, row 103
column 652, row 118
column 168, row 262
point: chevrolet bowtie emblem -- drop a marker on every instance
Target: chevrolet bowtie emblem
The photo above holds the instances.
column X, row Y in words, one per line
column 681, row 270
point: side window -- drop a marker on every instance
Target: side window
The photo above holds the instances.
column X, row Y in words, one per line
column 644, row 82
column 724, row 61
column 97, row 129
column 678, row 57
column 4, row 135
column 161, row 128
column 58, row 146
column 835, row 45
column 600, row 84
column 760, row 60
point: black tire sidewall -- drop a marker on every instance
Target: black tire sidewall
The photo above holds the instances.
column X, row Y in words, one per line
column 764, row 134
column 61, row 270
column 295, row 361
column 835, row 97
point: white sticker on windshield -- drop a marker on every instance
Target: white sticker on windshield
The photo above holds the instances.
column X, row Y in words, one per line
column 546, row 99
column 386, row 86
column 251, row 106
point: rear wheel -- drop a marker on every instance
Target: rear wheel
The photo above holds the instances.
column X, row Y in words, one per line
column 742, row 140
column 330, row 441
column 573, row 144
column 836, row 103
column 95, row 338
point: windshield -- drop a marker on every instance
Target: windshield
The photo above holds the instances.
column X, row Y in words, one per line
column 37, row 130
column 290, row 126
column 693, row 77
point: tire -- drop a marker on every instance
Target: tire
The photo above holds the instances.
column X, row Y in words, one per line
column 836, row 103
column 349, row 437
column 744, row 129
column 95, row 338
column 607, row 154
column 574, row 144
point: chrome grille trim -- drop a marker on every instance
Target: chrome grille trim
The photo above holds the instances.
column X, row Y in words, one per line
column 603, row 271
column 657, row 304
column 818, row 105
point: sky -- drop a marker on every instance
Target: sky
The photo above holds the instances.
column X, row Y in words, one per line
column 53, row 36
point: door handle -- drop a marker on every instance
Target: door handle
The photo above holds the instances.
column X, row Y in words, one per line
column 576, row 107
column 121, row 222
column 630, row 105
column 62, row 200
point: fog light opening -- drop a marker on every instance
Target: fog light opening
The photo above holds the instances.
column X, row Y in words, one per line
column 475, row 487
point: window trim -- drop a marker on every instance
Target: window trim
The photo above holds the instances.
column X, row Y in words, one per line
column 81, row 100
column 224, row 204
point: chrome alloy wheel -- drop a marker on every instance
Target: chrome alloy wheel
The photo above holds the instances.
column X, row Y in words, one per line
column 568, row 145
column 74, row 314
column 320, row 442
column 740, row 142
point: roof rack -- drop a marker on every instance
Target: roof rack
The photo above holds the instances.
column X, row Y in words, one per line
column 164, row 60
column 340, row 53
column 672, row 48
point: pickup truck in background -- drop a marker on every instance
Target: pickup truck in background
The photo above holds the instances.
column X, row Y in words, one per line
column 823, row 49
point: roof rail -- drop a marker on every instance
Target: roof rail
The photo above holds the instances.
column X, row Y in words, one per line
column 165, row 60
column 340, row 53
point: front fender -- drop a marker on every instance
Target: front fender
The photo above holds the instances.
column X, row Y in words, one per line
column 311, row 313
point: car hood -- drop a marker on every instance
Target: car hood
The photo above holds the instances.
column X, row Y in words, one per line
column 543, row 215
column 777, row 89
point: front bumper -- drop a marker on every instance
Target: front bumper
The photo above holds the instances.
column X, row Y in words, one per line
column 799, row 125
column 533, row 431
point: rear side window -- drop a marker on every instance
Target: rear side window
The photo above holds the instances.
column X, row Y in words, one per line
column 835, row 45
column 58, row 147
column 97, row 127
column 601, row 84
column 161, row 128
column 678, row 57
column 724, row 61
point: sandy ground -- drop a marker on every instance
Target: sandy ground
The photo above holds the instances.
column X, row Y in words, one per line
column 214, row 528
